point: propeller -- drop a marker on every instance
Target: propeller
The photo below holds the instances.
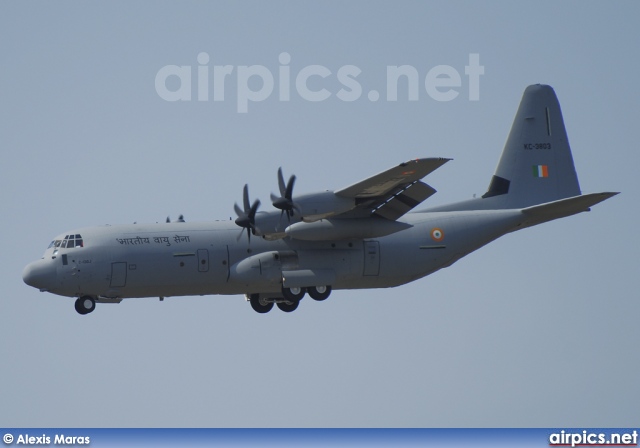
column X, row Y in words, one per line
column 285, row 202
column 247, row 217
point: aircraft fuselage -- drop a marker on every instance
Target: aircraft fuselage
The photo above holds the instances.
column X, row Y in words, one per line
column 178, row 259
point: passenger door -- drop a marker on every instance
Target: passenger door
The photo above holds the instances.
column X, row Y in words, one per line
column 118, row 275
column 214, row 262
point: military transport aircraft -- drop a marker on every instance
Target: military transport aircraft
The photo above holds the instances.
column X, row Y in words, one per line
column 360, row 236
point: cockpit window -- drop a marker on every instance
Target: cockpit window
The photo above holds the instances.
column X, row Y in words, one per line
column 69, row 241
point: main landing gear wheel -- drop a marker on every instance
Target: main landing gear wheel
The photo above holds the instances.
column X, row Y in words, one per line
column 319, row 292
column 85, row 305
column 293, row 294
column 287, row 307
column 260, row 305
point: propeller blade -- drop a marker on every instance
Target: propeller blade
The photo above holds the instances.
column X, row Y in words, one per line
column 285, row 201
column 247, row 217
column 281, row 182
column 245, row 198
column 253, row 210
column 289, row 190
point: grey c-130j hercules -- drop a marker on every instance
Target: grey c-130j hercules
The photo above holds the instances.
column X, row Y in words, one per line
column 361, row 236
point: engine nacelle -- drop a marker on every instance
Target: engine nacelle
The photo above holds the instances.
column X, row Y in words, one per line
column 309, row 208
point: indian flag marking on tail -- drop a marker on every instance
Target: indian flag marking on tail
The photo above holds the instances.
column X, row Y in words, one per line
column 540, row 171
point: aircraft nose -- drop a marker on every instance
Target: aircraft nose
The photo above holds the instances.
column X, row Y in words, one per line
column 39, row 274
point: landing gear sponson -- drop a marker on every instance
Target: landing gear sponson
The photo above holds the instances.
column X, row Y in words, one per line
column 290, row 298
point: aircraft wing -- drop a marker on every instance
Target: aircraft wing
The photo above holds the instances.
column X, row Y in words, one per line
column 392, row 193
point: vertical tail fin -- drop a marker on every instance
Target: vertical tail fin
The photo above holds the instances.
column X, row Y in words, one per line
column 536, row 165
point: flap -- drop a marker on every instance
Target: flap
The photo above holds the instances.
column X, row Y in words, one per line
column 403, row 201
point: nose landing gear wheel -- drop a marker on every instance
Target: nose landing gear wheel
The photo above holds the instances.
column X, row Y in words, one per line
column 85, row 305
column 319, row 292
column 260, row 305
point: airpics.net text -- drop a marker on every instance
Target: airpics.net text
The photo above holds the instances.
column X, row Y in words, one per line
column 255, row 83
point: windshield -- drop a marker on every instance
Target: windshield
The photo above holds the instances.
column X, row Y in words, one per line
column 69, row 242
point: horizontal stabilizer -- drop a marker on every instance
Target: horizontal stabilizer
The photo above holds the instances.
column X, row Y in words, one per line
column 562, row 208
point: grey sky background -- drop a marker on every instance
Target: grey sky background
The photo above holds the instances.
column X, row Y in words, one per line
column 540, row 328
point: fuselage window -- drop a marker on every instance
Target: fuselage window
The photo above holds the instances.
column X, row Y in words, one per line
column 56, row 244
